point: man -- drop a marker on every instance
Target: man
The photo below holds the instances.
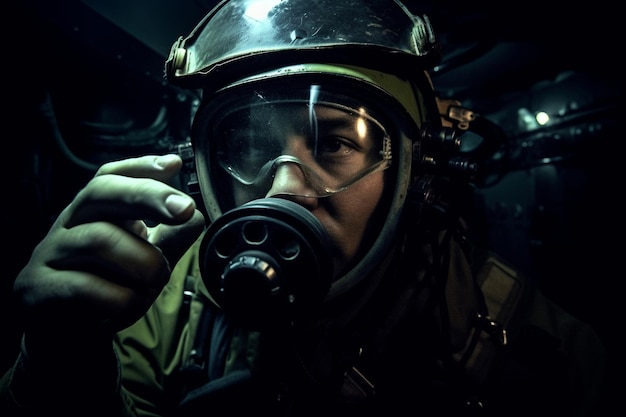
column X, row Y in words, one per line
column 334, row 274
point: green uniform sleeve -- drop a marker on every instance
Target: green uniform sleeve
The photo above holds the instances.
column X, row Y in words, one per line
column 152, row 350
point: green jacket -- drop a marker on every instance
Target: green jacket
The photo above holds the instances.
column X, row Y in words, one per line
column 504, row 348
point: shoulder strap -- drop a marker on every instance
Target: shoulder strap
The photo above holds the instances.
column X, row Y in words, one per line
column 502, row 288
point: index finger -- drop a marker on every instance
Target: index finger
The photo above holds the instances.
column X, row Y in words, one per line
column 116, row 198
column 158, row 167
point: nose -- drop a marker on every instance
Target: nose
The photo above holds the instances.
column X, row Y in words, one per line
column 289, row 180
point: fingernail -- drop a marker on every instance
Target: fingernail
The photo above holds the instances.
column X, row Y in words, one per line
column 164, row 160
column 177, row 204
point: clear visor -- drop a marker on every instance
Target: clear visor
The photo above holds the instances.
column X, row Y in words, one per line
column 318, row 143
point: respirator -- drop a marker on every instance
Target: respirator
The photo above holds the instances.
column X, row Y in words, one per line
column 266, row 263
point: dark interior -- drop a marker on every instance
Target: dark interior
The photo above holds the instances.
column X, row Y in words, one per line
column 84, row 84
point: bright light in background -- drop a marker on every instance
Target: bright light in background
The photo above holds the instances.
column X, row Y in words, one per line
column 258, row 11
column 542, row 118
column 528, row 121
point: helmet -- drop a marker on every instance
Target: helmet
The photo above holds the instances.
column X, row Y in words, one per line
column 370, row 54
column 243, row 37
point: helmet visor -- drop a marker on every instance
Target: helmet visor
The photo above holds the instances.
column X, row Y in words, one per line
column 328, row 138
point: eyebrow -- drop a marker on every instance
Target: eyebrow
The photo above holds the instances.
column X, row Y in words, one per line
column 336, row 122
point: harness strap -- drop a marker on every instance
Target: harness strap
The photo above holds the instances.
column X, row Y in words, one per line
column 502, row 289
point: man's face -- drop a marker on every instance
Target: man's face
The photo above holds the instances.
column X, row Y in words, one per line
column 311, row 157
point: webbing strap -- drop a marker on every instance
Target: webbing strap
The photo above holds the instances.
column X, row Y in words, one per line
column 502, row 289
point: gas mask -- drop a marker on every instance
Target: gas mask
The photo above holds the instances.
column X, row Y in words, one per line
column 267, row 261
column 264, row 259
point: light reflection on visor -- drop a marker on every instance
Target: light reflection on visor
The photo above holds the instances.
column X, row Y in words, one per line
column 332, row 142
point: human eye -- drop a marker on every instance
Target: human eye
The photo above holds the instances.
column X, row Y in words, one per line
column 339, row 131
column 335, row 146
column 340, row 156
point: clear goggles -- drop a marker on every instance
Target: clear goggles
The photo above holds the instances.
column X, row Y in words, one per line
column 328, row 139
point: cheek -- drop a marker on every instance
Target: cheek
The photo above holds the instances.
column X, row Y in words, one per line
column 350, row 214
column 242, row 195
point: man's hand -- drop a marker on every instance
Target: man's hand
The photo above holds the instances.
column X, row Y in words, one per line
column 100, row 267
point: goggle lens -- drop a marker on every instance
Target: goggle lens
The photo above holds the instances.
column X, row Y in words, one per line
column 334, row 145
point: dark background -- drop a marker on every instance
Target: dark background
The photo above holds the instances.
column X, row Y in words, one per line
column 83, row 84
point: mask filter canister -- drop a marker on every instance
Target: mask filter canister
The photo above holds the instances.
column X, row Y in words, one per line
column 266, row 263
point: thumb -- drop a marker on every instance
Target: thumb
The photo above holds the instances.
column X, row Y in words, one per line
column 174, row 240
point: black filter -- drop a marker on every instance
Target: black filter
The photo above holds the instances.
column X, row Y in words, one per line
column 266, row 263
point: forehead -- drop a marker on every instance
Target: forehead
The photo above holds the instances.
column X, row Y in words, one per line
column 287, row 95
column 296, row 112
column 321, row 120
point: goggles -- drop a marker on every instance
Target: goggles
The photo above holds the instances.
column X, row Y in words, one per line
column 327, row 139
